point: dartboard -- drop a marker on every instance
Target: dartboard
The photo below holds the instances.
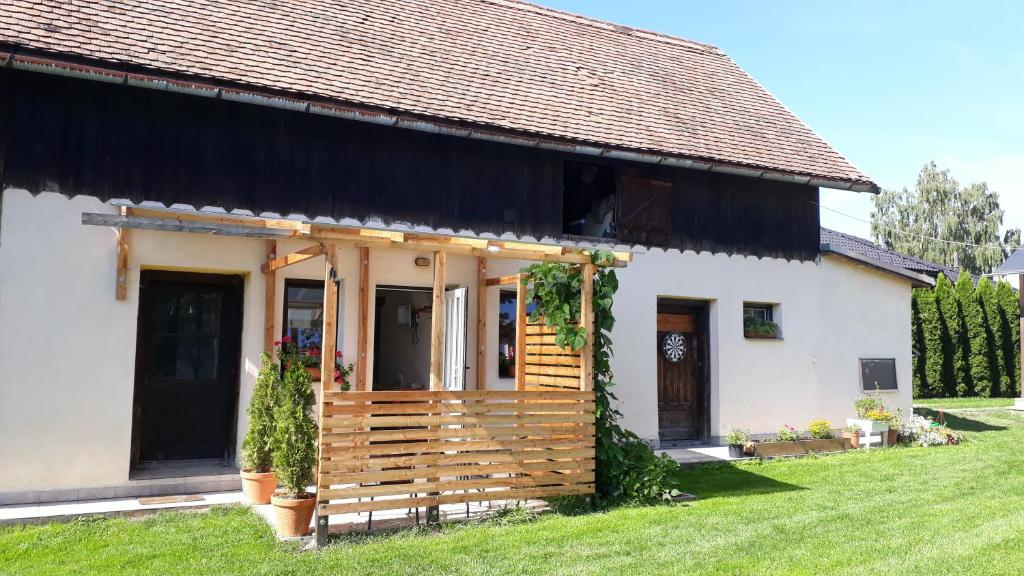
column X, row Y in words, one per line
column 673, row 346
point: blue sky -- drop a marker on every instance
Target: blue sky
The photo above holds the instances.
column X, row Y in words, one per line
column 889, row 84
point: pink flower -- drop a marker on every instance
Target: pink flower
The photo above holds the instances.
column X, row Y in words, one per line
column 286, row 339
column 277, row 343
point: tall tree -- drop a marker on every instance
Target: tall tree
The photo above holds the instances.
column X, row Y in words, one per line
column 1009, row 322
column 939, row 207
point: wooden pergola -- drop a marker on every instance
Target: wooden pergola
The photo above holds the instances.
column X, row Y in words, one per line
column 421, row 448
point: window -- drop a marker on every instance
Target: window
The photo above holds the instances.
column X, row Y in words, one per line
column 304, row 313
column 507, row 332
column 759, row 321
column 878, row 374
column 762, row 312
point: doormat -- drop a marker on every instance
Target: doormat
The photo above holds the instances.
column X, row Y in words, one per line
column 170, row 499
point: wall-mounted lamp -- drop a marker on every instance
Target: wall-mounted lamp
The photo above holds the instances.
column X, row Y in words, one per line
column 422, row 261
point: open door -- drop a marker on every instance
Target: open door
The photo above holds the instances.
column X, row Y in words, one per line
column 456, row 307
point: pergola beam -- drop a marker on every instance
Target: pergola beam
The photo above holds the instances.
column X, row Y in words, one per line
column 294, row 258
column 254, row 227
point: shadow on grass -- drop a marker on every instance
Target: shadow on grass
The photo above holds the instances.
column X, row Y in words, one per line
column 959, row 422
column 728, row 480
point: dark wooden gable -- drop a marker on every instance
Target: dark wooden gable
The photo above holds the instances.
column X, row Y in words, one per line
column 113, row 141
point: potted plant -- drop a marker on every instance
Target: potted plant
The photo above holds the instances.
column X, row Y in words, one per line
column 787, row 433
column 310, row 359
column 852, row 431
column 736, row 439
column 757, row 328
column 820, row 430
column 895, row 422
column 256, row 461
column 872, row 417
column 295, row 435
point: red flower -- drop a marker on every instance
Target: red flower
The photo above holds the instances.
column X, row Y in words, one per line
column 277, row 343
column 286, row 339
column 337, row 378
column 314, row 351
column 337, row 354
column 337, row 373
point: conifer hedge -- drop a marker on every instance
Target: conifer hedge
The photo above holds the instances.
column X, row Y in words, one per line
column 966, row 339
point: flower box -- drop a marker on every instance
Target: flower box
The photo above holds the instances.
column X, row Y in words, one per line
column 800, row 447
column 868, row 426
column 751, row 335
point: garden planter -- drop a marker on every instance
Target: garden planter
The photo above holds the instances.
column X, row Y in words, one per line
column 894, row 437
column 870, row 428
column 258, row 486
column 799, row 447
column 759, row 336
column 854, row 438
column 292, row 515
column 735, row 450
column 314, row 372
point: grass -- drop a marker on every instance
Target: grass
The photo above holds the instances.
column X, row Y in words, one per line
column 963, row 403
column 940, row 510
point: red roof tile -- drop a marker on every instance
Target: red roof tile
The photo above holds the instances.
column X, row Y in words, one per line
column 501, row 64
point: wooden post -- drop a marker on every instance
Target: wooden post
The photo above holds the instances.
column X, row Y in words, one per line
column 328, row 346
column 364, row 317
column 121, row 279
column 520, row 350
column 481, row 323
column 587, row 322
column 437, row 325
column 270, row 300
column 437, row 337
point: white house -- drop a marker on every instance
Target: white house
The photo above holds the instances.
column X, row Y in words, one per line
column 153, row 174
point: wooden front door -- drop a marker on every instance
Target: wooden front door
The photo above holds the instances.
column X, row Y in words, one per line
column 682, row 377
column 187, row 365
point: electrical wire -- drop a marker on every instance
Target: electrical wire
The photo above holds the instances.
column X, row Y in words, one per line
column 904, row 232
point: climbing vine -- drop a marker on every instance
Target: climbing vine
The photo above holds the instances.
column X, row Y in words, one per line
column 627, row 469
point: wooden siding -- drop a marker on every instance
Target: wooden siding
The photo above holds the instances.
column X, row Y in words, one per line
column 395, row 450
column 112, row 141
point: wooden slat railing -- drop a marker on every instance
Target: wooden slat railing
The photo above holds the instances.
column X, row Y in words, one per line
column 549, row 367
column 395, row 450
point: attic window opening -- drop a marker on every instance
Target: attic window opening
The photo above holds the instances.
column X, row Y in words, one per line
column 589, row 200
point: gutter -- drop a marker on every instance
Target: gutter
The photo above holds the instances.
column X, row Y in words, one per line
column 916, row 280
column 170, row 83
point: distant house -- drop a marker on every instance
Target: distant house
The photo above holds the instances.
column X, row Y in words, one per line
column 226, row 135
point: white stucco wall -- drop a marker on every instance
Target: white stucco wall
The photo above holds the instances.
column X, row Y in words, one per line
column 831, row 313
column 67, row 371
column 68, row 353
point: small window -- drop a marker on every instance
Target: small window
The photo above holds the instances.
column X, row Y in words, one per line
column 762, row 312
column 507, row 332
column 759, row 321
column 878, row 374
column 304, row 313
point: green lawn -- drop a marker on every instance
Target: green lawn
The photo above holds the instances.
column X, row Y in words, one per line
column 941, row 510
column 961, row 403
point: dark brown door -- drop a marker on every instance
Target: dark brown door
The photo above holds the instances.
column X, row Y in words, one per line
column 682, row 382
column 187, row 373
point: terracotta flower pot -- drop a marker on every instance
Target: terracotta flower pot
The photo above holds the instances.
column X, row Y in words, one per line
column 258, row 486
column 292, row 515
column 854, row 438
column 314, row 372
column 894, row 437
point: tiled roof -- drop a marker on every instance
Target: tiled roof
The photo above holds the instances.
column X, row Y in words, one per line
column 875, row 252
column 497, row 64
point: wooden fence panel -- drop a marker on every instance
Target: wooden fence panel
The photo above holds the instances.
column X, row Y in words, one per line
column 549, row 367
column 395, row 450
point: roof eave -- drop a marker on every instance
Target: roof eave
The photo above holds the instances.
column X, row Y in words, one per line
column 49, row 63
